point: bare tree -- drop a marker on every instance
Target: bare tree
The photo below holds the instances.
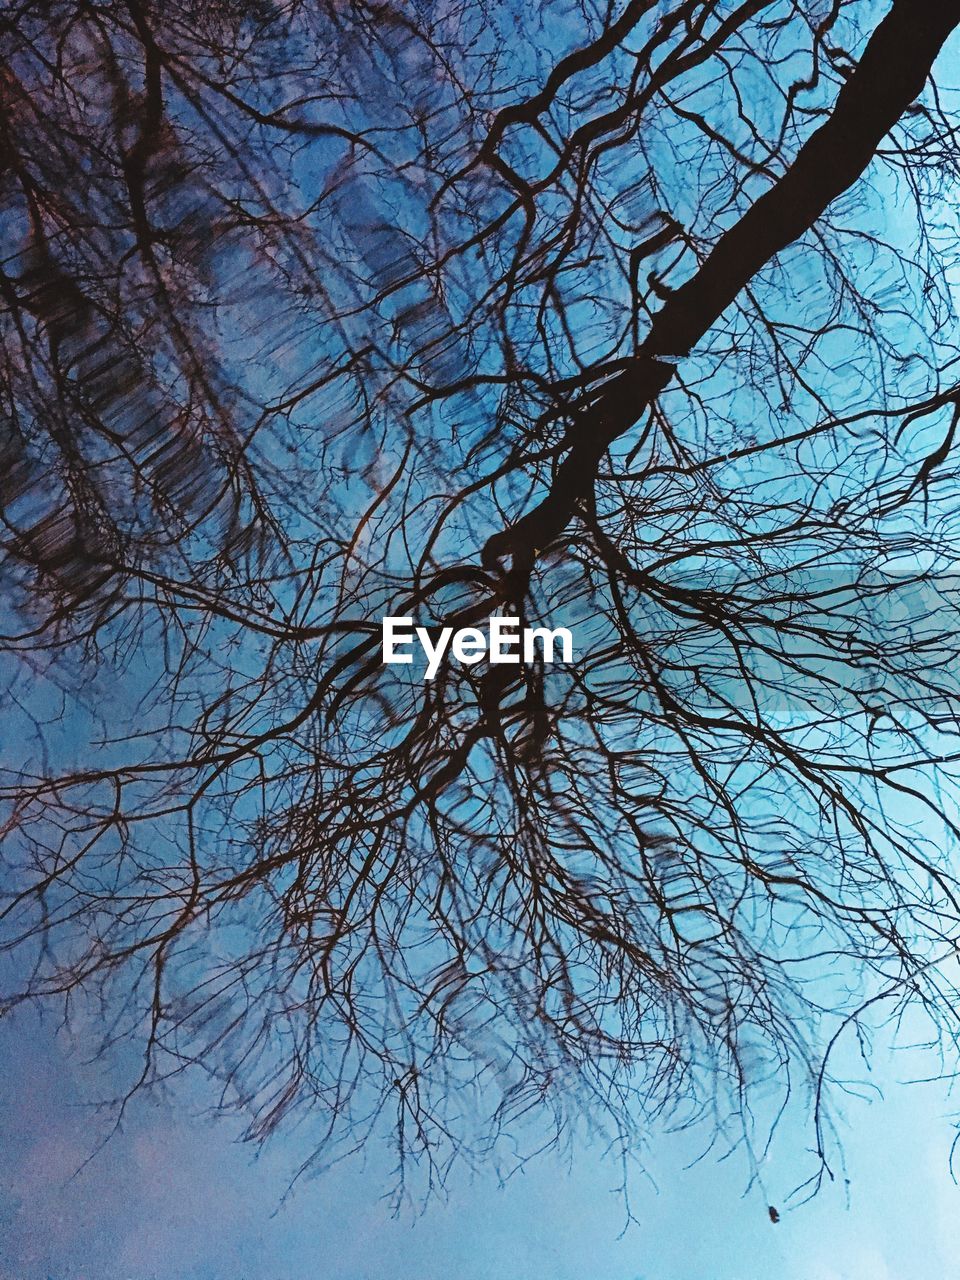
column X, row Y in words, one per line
column 640, row 318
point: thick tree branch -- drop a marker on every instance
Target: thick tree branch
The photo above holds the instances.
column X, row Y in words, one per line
column 889, row 77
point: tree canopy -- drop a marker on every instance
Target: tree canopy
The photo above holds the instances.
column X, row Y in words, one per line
column 636, row 318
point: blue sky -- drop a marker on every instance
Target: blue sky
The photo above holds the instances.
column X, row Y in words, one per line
column 175, row 1197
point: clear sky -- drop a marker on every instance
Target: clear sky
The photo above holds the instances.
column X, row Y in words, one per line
column 175, row 1197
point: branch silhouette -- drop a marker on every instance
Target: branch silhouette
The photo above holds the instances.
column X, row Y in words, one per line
column 302, row 305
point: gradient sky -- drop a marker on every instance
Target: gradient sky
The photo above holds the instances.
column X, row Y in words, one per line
column 175, row 1197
